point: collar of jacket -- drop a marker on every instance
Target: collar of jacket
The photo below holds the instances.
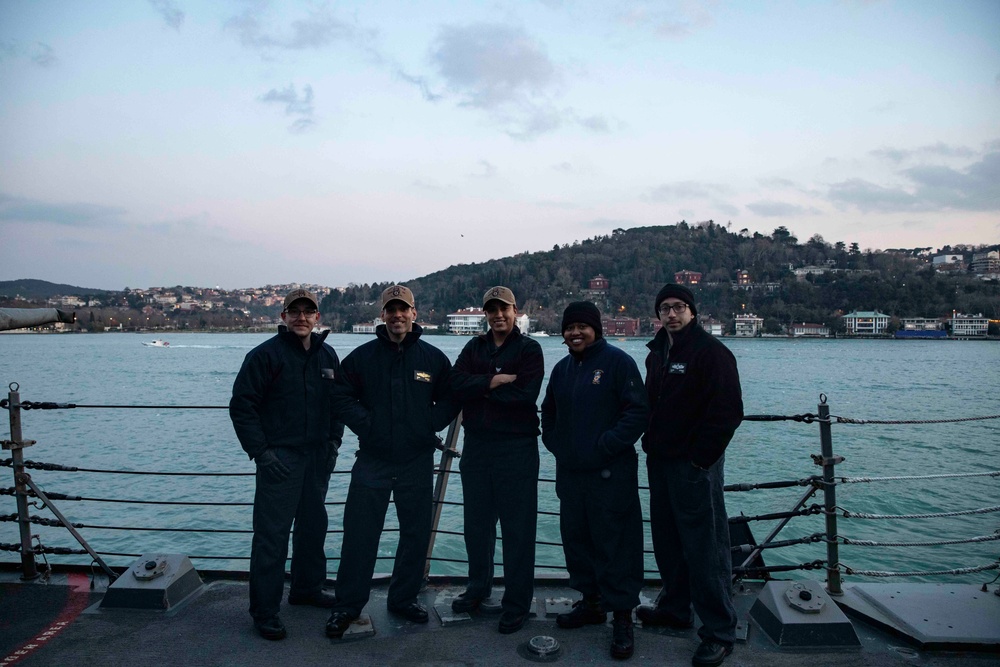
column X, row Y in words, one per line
column 488, row 337
column 590, row 350
column 382, row 332
column 663, row 341
column 291, row 336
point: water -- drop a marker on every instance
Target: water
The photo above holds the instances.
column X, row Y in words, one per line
column 885, row 380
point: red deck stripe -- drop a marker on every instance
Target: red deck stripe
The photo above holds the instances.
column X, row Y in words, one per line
column 77, row 599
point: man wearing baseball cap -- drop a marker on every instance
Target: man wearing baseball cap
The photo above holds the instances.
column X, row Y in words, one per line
column 593, row 413
column 694, row 394
column 393, row 393
column 497, row 379
column 280, row 411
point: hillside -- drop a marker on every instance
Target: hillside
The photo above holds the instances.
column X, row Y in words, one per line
column 31, row 289
column 637, row 262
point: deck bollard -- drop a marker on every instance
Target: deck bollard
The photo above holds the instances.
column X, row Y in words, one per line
column 829, row 499
column 29, row 570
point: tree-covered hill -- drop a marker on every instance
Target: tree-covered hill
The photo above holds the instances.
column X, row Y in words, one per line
column 637, row 262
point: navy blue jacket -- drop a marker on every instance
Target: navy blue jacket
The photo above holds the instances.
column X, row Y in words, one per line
column 395, row 397
column 281, row 396
column 510, row 409
column 694, row 393
column 594, row 408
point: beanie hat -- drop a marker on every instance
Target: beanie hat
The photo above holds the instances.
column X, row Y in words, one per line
column 677, row 292
column 583, row 312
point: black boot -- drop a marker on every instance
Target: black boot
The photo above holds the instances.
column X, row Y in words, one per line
column 622, row 640
column 585, row 612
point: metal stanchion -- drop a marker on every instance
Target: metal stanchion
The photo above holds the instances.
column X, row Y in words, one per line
column 29, row 570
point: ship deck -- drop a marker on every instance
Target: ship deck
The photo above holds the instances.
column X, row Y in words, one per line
column 61, row 622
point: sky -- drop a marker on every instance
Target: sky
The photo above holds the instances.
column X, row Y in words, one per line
column 238, row 143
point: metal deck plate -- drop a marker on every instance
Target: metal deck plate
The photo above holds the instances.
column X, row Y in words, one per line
column 933, row 616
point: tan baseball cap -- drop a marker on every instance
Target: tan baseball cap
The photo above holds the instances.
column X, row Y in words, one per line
column 499, row 293
column 397, row 293
column 297, row 294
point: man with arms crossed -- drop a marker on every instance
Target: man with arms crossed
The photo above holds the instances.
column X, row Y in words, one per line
column 281, row 413
column 696, row 405
column 393, row 393
column 497, row 379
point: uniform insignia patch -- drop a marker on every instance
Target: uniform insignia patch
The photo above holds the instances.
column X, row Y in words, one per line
column 326, row 373
column 598, row 374
column 498, row 369
column 422, row 376
column 678, row 367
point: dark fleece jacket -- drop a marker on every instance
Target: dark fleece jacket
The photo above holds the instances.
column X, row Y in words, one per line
column 694, row 395
column 395, row 397
column 281, row 396
column 594, row 409
column 510, row 409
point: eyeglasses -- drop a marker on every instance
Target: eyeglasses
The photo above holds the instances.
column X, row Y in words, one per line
column 295, row 313
column 678, row 308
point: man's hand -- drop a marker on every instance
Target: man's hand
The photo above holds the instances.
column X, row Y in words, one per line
column 501, row 378
column 271, row 466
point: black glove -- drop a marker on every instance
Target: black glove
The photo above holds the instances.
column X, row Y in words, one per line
column 271, row 466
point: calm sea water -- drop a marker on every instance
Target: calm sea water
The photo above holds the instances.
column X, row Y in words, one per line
column 884, row 380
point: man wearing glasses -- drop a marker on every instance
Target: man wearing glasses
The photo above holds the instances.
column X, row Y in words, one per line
column 393, row 393
column 696, row 405
column 281, row 413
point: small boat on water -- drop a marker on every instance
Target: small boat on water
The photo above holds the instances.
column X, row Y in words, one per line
column 538, row 334
column 156, row 343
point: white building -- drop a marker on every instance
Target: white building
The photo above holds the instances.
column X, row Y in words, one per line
column 809, row 329
column 523, row 323
column 467, row 322
column 919, row 323
column 986, row 262
column 749, row 325
column 866, row 323
column 366, row 328
column 967, row 326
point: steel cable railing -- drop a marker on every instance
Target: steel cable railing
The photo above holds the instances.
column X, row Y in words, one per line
column 816, row 483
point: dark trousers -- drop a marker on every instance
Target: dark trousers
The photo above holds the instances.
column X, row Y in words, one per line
column 690, row 532
column 601, row 525
column 500, row 481
column 373, row 481
column 276, row 505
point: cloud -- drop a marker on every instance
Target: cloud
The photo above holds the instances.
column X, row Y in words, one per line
column 490, row 65
column 173, row 17
column 295, row 105
column 931, row 188
column 686, row 190
column 489, row 170
column 76, row 214
column 777, row 209
column 940, row 149
column 318, row 30
column 421, row 83
column 596, row 123
column 675, row 23
column 41, row 53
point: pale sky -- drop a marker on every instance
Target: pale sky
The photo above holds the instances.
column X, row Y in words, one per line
column 240, row 143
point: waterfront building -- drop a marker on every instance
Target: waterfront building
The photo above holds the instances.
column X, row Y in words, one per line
column 368, row 328
column 523, row 323
column 866, row 323
column 808, row 329
column 620, row 326
column 467, row 322
column 968, row 326
column 743, row 277
column 749, row 325
column 686, row 277
column 919, row 324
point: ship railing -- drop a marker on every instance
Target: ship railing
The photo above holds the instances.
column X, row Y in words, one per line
column 747, row 554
